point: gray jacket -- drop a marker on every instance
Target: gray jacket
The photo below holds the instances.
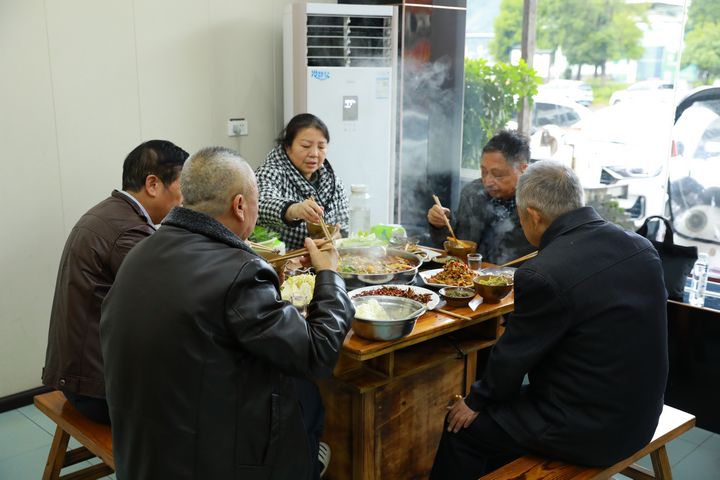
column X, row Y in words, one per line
column 493, row 224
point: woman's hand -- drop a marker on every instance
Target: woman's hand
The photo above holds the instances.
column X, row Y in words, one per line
column 436, row 216
column 306, row 210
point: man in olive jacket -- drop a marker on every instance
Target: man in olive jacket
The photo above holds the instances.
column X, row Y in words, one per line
column 94, row 250
column 589, row 329
column 200, row 349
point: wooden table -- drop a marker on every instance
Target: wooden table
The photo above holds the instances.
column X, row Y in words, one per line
column 386, row 402
column 693, row 343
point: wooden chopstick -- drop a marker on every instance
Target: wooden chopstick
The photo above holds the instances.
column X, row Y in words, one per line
column 264, row 248
column 452, row 314
column 447, row 220
column 297, row 253
column 521, row 259
column 324, row 227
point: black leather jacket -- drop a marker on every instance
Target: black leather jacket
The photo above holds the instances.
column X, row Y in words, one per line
column 199, row 352
column 94, row 250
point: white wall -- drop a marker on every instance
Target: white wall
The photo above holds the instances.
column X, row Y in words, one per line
column 85, row 81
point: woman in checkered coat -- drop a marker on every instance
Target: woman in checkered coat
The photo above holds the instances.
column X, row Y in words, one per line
column 297, row 184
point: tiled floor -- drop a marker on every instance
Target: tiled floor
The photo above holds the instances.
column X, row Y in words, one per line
column 25, row 438
column 693, row 456
column 26, row 434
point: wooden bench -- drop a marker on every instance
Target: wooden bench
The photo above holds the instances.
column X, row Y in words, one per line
column 672, row 424
column 95, row 438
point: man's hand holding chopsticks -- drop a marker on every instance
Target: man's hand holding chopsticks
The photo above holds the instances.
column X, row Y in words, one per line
column 324, row 258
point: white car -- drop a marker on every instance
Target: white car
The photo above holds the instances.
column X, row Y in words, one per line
column 552, row 118
column 554, row 110
column 646, row 90
column 623, row 149
column 575, row 90
column 559, row 111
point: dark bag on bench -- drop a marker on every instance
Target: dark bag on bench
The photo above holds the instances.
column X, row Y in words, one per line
column 677, row 260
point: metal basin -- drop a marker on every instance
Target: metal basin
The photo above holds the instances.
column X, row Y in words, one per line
column 354, row 280
column 403, row 314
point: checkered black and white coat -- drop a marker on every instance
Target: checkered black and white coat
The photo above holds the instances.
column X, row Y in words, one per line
column 281, row 184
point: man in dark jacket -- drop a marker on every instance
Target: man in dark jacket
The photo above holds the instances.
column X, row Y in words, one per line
column 200, row 349
column 486, row 213
column 589, row 330
column 93, row 253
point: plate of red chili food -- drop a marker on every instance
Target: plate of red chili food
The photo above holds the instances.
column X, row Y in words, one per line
column 422, row 295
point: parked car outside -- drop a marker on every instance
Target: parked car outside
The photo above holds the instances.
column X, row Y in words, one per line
column 553, row 116
column 646, row 90
column 550, row 109
column 623, row 150
column 576, row 90
column 557, row 110
column 694, row 173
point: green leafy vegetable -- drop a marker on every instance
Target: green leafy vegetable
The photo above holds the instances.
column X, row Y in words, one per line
column 262, row 234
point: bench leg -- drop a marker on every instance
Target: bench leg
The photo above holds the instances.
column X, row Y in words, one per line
column 661, row 464
column 56, row 457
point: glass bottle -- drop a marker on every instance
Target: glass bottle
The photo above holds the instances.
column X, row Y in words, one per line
column 698, row 285
column 359, row 209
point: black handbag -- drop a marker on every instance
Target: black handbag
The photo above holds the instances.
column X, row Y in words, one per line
column 677, row 260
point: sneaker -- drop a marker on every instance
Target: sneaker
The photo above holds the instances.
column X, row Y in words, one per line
column 324, row 457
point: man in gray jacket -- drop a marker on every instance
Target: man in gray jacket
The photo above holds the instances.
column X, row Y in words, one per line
column 486, row 213
column 200, row 351
column 590, row 331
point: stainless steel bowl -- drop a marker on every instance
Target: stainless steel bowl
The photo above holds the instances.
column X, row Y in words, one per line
column 494, row 293
column 403, row 314
column 354, row 280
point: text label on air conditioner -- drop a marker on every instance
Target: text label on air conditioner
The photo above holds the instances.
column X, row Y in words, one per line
column 320, row 74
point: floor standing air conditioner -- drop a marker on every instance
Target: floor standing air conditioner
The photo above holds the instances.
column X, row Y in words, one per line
column 339, row 64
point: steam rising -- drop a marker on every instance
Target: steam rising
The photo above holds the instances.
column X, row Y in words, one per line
column 430, row 145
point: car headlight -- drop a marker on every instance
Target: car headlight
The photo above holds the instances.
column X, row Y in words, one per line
column 634, row 172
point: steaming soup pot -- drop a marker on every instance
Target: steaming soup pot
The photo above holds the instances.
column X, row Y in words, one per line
column 366, row 266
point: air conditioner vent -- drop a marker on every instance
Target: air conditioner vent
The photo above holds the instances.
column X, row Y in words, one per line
column 348, row 41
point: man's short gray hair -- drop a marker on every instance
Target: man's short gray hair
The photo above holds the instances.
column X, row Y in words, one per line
column 211, row 177
column 551, row 188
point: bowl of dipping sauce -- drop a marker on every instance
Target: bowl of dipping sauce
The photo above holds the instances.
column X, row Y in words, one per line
column 457, row 296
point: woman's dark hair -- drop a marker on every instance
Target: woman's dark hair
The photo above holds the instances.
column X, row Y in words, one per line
column 513, row 146
column 300, row 122
column 155, row 157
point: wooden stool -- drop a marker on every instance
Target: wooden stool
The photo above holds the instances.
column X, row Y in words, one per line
column 672, row 424
column 96, row 439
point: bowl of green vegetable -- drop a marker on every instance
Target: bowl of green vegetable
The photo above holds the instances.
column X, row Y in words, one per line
column 494, row 284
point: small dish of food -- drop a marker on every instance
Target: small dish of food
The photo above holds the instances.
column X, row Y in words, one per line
column 443, row 259
column 457, row 296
